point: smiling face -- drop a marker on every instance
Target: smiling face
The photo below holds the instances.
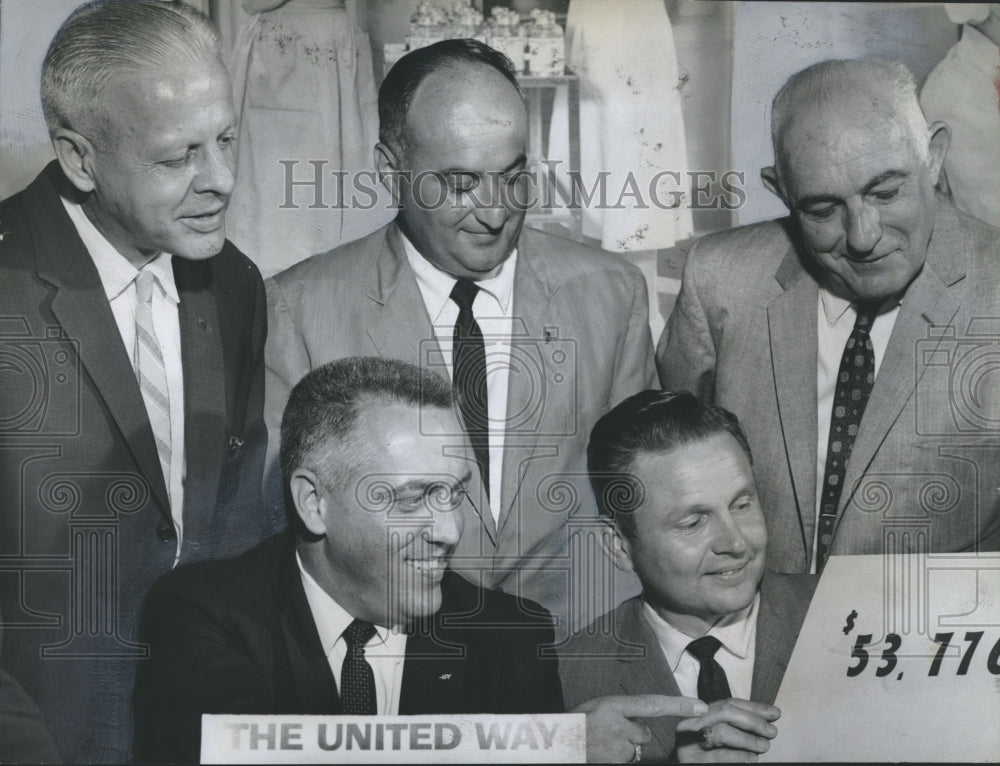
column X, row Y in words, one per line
column 700, row 540
column 390, row 528
column 163, row 171
column 861, row 187
column 462, row 204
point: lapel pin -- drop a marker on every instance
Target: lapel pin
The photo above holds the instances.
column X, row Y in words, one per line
column 202, row 324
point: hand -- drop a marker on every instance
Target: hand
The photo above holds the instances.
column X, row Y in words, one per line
column 612, row 735
column 732, row 730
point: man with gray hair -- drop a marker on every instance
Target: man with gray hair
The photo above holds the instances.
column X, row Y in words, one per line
column 856, row 344
column 131, row 386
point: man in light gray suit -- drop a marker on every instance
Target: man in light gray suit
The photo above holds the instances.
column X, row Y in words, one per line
column 673, row 478
column 858, row 342
column 564, row 328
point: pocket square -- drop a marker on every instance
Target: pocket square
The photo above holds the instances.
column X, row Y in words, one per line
column 444, row 677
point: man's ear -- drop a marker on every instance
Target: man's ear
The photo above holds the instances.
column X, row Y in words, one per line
column 387, row 165
column 937, row 148
column 309, row 499
column 769, row 176
column 76, row 155
column 617, row 547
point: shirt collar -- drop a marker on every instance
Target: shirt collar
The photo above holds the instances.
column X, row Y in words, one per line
column 113, row 268
column 437, row 284
column 330, row 617
column 733, row 631
column 834, row 307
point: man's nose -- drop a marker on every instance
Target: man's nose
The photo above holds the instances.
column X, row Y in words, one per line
column 490, row 209
column 728, row 538
column 216, row 172
column 864, row 228
column 446, row 527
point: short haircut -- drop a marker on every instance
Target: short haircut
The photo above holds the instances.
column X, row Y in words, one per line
column 820, row 83
column 395, row 96
column 106, row 39
column 654, row 422
column 318, row 427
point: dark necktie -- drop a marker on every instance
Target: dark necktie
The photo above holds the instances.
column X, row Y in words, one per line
column 712, row 682
column 357, row 680
column 854, row 385
column 469, row 375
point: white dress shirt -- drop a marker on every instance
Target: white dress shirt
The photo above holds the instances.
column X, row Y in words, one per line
column 118, row 279
column 835, row 319
column 385, row 652
column 493, row 309
column 737, row 633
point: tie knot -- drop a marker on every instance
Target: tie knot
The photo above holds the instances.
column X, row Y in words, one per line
column 464, row 293
column 704, row 648
column 144, row 282
column 866, row 316
column 358, row 633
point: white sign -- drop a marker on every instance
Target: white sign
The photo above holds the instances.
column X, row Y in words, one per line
column 898, row 660
column 393, row 739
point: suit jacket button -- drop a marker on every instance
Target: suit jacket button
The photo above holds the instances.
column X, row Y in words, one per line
column 235, row 444
column 165, row 532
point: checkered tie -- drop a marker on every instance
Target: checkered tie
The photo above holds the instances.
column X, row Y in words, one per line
column 150, row 370
column 357, row 680
column 854, row 385
column 712, row 682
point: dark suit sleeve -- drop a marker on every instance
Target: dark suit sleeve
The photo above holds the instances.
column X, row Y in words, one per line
column 685, row 354
column 526, row 675
column 249, row 519
column 199, row 662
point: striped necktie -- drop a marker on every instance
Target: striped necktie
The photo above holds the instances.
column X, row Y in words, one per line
column 150, row 370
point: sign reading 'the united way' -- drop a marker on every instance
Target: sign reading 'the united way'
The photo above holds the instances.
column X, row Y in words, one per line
column 898, row 660
column 393, row 739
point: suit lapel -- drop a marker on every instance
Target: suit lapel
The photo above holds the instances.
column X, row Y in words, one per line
column 313, row 688
column 793, row 354
column 928, row 301
column 774, row 642
column 401, row 328
column 436, row 661
column 649, row 674
column 525, row 392
column 204, row 390
column 82, row 309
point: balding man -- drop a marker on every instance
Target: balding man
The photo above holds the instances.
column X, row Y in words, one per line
column 540, row 335
column 855, row 341
column 131, row 380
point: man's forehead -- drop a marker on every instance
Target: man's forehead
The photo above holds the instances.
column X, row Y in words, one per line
column 468, row 100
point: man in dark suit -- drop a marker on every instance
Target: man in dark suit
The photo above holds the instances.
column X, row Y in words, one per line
column 673, row 478
column 375, row 476
column 857, row 344
column 564, row 328
column 131, row 339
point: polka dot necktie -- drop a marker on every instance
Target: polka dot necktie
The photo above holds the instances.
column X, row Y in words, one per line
column 469, row 375
column 854, row 385
column 712, row 682
column 357, row 680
